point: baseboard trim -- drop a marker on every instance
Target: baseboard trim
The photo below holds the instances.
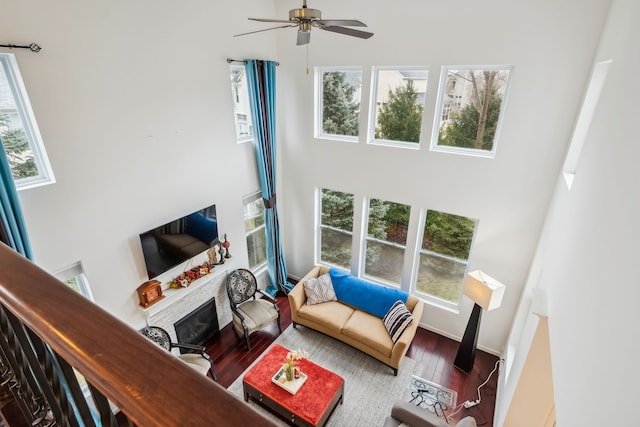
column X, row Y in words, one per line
column 457, row 338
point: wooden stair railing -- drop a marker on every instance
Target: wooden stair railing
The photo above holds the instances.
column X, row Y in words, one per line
column 46, row 328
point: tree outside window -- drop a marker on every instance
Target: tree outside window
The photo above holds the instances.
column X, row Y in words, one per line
column 386, row 241
column 339, row 103
column 473, row 100
column 399, row 104
column 336, row 228
column 446, row 244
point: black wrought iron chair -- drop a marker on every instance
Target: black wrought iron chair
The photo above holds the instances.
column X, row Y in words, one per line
column 249, row 313
column 198, row 359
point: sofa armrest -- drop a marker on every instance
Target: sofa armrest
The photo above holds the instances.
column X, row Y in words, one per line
column 401, row 346
column 415, row 416
column 297, row 297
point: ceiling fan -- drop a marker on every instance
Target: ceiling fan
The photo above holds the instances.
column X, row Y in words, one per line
column 305, row 18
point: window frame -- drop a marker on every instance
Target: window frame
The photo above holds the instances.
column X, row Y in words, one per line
column 442, row 87
column 373, row 110
column 25, row 112
column 236, row 95
column 245, row 201
column 320, row 226
column 319, row 104
column 428, row 298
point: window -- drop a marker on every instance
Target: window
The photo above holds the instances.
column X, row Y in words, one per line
column 255, row 230
column 386, row 240
column 241, row 106
column 470, row 110
column 73, row 276
column 446, row 243
column 397, row 105
column 19, row 131
column 336, row 228
column 338, row 94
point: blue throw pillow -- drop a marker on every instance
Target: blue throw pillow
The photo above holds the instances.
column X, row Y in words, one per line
column 369, row 297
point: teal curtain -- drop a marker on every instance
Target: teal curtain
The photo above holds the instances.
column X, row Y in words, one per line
column 13, row 231
column 261, row 82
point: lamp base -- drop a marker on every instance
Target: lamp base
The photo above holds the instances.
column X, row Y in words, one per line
column 467, row 351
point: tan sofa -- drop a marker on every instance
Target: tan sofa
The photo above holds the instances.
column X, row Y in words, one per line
column 352, row 326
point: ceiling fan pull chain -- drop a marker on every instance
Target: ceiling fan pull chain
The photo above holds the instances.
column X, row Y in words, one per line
column 307, row 59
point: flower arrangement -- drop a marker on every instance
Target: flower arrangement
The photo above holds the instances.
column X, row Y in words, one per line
column 293, row 357
column 188, row 276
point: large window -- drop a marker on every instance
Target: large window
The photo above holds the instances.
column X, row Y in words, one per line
column 386, row 240
column 397, row 106
column 241, row 107
column 444, row 252
column 338, row 92
column 336, row 228
column 469, row 109
column 18, row 129
column 255, row 230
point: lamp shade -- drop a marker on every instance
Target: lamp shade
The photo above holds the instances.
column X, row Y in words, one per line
column 484, row 290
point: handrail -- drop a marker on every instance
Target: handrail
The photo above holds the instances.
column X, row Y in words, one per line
column 145, row 382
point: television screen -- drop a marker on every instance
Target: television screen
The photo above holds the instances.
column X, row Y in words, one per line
column 168, row 245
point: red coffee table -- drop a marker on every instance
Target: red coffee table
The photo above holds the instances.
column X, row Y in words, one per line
column 312, row 404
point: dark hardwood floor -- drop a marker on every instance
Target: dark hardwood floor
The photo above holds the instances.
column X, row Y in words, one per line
column 434, row 352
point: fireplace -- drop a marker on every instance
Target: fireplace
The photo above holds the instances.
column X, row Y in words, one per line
column 198, row 326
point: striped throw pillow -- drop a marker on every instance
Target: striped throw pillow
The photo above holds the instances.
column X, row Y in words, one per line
column 319, row 290
column 397, row 319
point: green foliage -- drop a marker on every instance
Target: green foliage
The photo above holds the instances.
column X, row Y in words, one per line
column 377, row 227
column 340, row 113
column 400, row 118
column 337, row 210
column 16, row 145
column 448, row 234
column 463, row 129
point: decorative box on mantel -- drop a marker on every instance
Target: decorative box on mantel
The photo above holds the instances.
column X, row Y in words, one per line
column 177, row 303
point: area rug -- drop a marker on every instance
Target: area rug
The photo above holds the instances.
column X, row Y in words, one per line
column 370, row 386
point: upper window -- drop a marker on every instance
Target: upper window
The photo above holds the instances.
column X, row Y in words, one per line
column 338, row 92
column 397, row 105
column 386, row 241
column 255, row 230
column 241, row 106
column 73, row 276
column 18, row 129
column 336, row 228
column 444, row 252
column 469, row 109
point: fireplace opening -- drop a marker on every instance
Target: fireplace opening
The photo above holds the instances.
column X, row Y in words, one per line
column 198, row 326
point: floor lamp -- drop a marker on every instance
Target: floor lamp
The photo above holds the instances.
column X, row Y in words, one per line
column 486, row 292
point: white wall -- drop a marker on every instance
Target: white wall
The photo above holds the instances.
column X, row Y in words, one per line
column 588, row 256
column 551, row 47
column 133, row 100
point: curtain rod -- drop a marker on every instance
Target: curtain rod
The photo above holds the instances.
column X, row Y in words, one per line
column 229, row 61
column 32, row 47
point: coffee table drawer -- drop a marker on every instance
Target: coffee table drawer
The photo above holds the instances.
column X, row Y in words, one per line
column 250, row 392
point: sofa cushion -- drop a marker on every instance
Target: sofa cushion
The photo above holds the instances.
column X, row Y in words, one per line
column 319, row 289
column 397, row 319
column 370, row 297
column 369, row 330
column 331, row 314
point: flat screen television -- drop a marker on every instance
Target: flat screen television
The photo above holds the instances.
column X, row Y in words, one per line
column 170, row 244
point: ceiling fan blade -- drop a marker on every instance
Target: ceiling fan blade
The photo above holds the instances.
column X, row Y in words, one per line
column 304, row 37
column 284, row 21
column 342, row 22
column 348, row 31
column 266, row 29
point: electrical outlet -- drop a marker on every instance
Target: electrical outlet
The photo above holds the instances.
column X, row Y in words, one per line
column 470, row 403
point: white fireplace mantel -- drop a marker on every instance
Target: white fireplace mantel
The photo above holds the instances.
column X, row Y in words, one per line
column 177, row 303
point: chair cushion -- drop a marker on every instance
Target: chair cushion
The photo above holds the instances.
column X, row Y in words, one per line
column 319, row 290
column 397, row 319
column 196, row 361
column 257, row 313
